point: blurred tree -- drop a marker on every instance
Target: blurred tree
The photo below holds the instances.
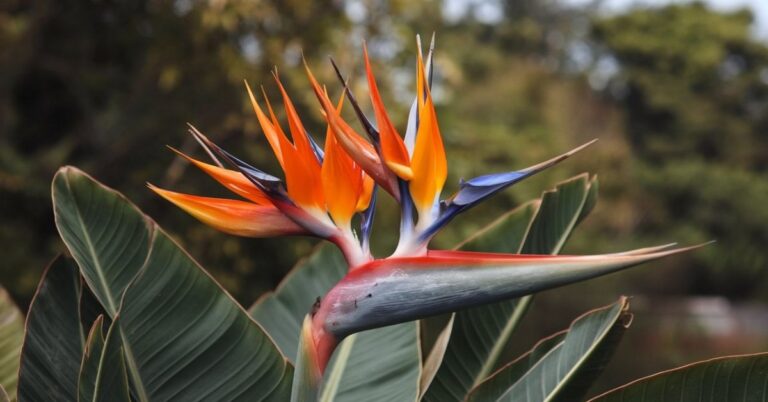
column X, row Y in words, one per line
column 106, row 84
column 693, row 84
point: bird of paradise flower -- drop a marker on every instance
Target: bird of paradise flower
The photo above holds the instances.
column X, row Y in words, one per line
column 325, row 187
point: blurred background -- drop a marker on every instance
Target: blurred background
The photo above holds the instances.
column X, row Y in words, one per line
column 677, row 93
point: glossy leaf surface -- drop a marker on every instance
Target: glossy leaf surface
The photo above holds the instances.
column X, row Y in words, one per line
column 11, row 337
column 377, row 365
column 103, row 376
column 54, row 341
column 89, row 368
column 544, row 373
column 733, row 378
column 220, row 353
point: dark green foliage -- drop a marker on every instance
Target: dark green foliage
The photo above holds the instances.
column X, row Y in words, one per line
column 692, row 83
column 54, row 340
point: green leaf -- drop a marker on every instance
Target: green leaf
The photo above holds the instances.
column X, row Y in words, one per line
column 591, row 201
column 112, row 380
column 545, row 373
column 378, row 365
column 108, row 237
column 89, row 368
column 11, row 338
column 495, row 385
column 282, row 392
column 90, row 309
column 53, row 345
column 480, row 334
column 184, row 338
column 281, row 312
column 103, row 376
column 558, row 214
column 506, row 234
column 732, row 378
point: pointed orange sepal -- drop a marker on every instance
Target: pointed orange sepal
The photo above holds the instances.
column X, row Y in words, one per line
column 353, row 144
column 429, row 164
column 298, row 133
column 271, row 129
column 234, row 181
column 342, row 179
column 232, row 216
column 302, row 170
column 393, row 148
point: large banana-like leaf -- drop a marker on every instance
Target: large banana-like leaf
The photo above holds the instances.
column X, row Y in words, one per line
column 103, row 376
column 545, row 373
column 732, row 378
column 184, row 338
column 54, row 341
column 11, row 337
column 281, row 312
column 480, row 334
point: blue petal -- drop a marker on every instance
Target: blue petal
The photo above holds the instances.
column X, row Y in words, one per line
column 267, row 183
column 481, row 187
column 474, row 191
column 366, row 224
column 319, row 153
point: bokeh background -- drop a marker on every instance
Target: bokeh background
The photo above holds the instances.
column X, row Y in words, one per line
column 677, row 93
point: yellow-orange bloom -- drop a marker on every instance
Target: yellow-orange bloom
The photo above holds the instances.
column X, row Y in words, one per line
column 232, row 216
column 429, row 164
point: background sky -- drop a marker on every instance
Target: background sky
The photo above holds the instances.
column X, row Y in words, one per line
column 489, row 10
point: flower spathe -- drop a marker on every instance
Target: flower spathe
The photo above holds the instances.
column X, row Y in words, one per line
column 324, row 188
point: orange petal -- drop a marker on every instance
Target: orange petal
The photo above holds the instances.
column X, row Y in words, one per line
column 342, row 183
column 342, row 179
column 429, row 164
column 365, row 195
column 298, row 133
column 392, row 146
column 271, row 129
column 306, row 188
column 231, row 216
column 234, row 181
column 353, row 144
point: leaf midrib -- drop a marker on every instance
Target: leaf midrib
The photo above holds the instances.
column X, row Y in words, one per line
column 576, row 365
column 93, row 254
column 130, row 359
column 584, row 357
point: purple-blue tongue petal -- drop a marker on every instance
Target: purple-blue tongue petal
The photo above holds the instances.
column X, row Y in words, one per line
column 473, row 191
column 271, row 185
